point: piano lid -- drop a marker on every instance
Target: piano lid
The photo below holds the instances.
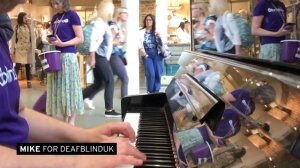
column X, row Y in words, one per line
column 191, row 102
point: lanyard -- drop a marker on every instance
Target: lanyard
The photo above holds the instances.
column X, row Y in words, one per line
column 56, row 27
column 280, row 12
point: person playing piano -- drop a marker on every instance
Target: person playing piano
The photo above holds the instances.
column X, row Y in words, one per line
column 22, row 125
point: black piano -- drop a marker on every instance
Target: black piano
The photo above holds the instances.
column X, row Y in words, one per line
column 220, row 110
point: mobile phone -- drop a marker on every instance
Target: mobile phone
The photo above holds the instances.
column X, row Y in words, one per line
column 289, row 26
column 52, row 37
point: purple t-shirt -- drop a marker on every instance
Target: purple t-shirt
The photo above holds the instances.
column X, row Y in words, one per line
column 13, row 128
column 229, row 125
column 244, row 102
column 274, row 17
column 63, row 22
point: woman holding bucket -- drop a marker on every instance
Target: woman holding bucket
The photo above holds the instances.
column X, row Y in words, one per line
column 269, row 18
column 64, row 93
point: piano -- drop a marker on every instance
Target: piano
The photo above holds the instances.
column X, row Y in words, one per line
column 181, row 127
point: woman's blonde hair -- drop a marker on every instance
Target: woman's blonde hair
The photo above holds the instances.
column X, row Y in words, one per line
column 118, row 11
column 218, row 7
column 105, row 10
column 202, row 5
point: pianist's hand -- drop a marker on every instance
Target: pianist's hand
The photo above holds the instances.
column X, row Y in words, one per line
column 127, row 154
column 106, row 161
column 113, row 128
column 125, row 147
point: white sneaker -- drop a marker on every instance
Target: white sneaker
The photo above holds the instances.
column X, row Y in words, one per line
column 89, row 103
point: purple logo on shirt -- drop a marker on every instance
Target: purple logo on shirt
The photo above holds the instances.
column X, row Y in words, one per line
column 7, row 76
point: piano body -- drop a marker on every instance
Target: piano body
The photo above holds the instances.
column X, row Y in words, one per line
column 189, row 124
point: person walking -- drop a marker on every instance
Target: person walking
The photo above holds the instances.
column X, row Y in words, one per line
column 118, row 59
column 22, row 46
column 227, row 37
column 149, row 41
column 100, row 52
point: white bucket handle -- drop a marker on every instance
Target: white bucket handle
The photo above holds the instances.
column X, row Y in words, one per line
column 298, row 52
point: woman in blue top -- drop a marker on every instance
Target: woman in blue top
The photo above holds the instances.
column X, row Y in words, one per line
column 269, row 17
column 64, row 93
column 148, row 49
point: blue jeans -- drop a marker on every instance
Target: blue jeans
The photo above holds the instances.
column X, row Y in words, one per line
column 153, row 69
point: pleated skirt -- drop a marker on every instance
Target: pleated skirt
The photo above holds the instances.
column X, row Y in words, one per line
column 64, row 92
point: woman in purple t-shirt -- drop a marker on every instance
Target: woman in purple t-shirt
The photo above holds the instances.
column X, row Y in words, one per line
column 269, row 17
column 64, row 93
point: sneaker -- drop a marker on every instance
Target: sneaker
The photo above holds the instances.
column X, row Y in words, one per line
column 89, row 103
column 112, row 113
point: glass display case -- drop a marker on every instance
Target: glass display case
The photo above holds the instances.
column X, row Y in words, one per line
column 260, row 124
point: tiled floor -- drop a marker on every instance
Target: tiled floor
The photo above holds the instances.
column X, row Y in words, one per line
column 90, row 118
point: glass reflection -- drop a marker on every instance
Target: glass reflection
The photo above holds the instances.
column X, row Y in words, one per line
column 259, row 126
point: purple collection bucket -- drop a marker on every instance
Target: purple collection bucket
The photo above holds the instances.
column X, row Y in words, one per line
column 290, row 51
column 40, row 104
column 51, row 61
column 202, row 154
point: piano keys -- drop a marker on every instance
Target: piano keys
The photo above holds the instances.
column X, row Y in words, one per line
column 153, row 136
column 152, row 119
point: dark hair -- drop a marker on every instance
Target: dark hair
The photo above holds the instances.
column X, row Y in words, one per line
column 194, row 21
column 266, row 127
column 47, row 25
column 66, row 4
column 181, row 25
column 211, row 17
column 153, row 22
column 266, row 93
column 111, row 23
column 240, row 152
column 20, row 19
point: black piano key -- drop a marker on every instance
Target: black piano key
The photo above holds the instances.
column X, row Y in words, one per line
column 157, row 135
column 170, row 157
column 159, row 162
column 152, row 131
column 146, row 165
column 147, row 150
column 150, row 154
column 154, row 147
column 154, row 124
column 154, row 139
column 153, row 128
column 149, row 118
column 153, row 143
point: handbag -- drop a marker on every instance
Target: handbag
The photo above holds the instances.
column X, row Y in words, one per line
column 165, row 51
column 124, row 60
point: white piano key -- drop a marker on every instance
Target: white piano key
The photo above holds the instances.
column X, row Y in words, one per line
column 133, row 119
column 125, row 166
